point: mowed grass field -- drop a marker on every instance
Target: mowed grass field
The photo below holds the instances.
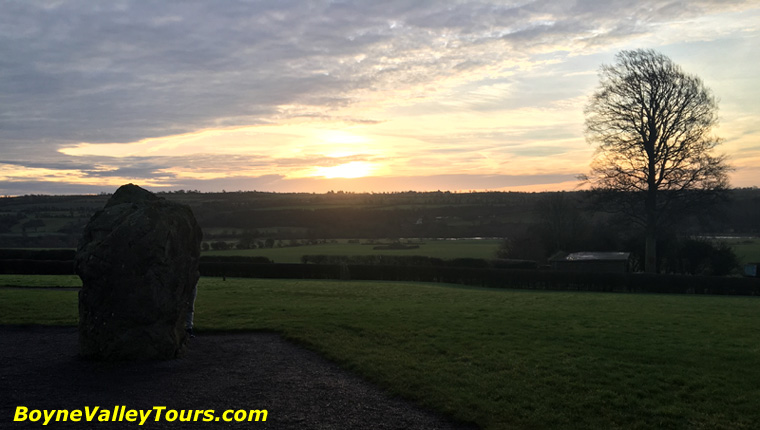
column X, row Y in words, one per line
column 499, row 358
column 445, row 249
column 747, row 250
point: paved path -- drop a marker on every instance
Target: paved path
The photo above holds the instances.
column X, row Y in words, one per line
column 39, row 369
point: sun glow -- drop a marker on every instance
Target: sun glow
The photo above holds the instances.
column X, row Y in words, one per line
column 354, row 169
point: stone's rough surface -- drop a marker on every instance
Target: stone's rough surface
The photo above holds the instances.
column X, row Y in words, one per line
column 138, row 260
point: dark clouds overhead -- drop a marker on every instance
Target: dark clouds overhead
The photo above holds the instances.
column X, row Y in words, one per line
column 121, row 71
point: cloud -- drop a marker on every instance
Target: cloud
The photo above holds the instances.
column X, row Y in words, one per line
column 123, row 71
column 127, row 70
column 27, row 187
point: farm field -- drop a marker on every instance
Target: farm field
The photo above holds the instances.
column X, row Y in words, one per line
column 499, row 358
column 747, row 250
column 445, row 249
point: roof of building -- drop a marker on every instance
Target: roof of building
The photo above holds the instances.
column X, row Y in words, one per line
column 598, row 256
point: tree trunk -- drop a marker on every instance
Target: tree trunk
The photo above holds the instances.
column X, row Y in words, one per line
column 650, row 205
column 650, row 249
column 650, row 252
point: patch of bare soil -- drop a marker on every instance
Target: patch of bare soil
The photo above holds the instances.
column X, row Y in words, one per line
column 40, row 369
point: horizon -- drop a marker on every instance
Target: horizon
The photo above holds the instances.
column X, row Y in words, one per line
column 330, row 192
column 477, row 96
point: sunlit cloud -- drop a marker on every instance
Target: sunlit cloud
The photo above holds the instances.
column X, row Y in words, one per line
column 354, row 169
column 281, row 95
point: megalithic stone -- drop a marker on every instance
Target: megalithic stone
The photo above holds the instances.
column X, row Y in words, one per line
column 138, row 261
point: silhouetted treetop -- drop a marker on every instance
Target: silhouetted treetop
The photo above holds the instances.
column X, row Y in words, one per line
column 651, row 124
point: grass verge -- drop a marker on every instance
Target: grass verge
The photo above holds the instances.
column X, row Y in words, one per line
column 43, row 281
column 500, row 358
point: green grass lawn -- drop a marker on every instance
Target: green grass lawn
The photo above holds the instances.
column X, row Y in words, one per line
column 446, row 249
column 746, row 250
column 67, row 281
column 38, row 306
column 500, row 358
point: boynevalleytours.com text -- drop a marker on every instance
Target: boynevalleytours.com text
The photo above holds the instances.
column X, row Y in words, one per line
column 137, row 416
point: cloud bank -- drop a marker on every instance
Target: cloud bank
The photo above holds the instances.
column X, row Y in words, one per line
column 427, row 86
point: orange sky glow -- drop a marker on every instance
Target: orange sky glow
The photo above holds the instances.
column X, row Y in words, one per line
column 343, row 97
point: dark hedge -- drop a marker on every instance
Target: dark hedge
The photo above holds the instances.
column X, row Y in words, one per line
column 496, row 278
column 417, row 260
column 281, row 271
column 37, row 254
column 37, row 267
column 234, row 259
column 481, row 277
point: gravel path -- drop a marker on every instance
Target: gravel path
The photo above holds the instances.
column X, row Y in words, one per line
column 39, row 369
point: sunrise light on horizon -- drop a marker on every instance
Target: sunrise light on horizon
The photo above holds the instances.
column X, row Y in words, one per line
column 354, row 96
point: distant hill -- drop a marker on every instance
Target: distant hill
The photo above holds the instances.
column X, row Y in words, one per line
column 57, row 221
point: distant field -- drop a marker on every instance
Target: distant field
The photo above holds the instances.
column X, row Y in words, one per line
column 746, row 250
column 499, row 358
column 445, row 249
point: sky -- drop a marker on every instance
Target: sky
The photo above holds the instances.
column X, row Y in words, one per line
column 362, row 96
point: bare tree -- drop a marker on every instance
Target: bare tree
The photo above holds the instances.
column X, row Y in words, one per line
column 652, row 125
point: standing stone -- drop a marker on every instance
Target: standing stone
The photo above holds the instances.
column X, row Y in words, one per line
column 138, row 260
